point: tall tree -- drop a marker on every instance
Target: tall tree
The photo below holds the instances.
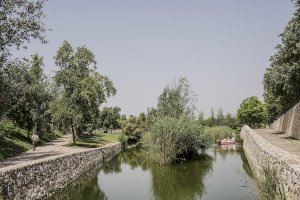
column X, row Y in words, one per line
column 83, row 89
column 201, row 118
column 177, row 100
column 20, row 21
column 252, row 112
column 220, row 117
column 27, row 94
column 282, row 77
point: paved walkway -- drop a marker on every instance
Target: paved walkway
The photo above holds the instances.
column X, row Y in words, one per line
column 280, row 140
column 54, row 148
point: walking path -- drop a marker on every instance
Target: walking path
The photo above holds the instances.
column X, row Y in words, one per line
column 280, row 140
column 54, row 148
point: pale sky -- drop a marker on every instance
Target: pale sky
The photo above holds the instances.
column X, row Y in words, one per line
column 222, row 46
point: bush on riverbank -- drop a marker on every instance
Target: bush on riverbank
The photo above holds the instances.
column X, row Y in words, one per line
column 172, row 139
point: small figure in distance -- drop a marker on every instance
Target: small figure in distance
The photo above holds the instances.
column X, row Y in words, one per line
column 35, row 139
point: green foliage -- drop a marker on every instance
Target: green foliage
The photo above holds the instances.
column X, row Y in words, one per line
column 110, row 117
column 130, row 129
column 252, row 112
column 82, row 89
column 177, row 100
column 219, row 132
column 27, row 95
column 282, row 77
column 21, row 21
column 171, row 139
column 220, row 120
column 14, row 140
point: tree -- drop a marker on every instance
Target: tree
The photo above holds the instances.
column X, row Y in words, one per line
column 282, row 77
column 201, row 119
column 177, row 100
column 20, row 21
column 110, row 117
column 230, row 121
column 27, row 95
column 83, row 89
column 252, row 112
column 220, row 117
column 39, row 95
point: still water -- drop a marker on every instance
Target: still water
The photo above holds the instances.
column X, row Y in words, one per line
column 220, row 173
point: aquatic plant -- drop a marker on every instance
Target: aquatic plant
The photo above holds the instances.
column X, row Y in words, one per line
column 172, row 139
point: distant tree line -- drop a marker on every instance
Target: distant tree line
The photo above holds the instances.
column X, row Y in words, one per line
column 218, row 119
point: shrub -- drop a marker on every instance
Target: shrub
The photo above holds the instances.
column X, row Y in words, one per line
column 171, row 139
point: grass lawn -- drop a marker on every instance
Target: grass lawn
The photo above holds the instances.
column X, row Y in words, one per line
column 97, row 140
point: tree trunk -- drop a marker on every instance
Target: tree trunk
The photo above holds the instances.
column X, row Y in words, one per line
column 73, row 134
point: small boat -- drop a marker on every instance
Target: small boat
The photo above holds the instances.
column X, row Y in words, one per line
column 226, row 142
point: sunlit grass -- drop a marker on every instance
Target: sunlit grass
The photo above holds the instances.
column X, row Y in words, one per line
column 96, row 140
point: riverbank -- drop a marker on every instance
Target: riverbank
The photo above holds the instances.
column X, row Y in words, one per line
column 263, row 148
column 43, row 177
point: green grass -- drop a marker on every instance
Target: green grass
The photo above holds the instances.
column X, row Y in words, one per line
column 96, row 140
column 219, row 132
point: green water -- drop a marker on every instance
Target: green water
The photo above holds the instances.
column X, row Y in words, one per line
column 218, row 174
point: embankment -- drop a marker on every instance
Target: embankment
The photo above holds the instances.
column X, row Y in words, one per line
column 44, row 178
column 260, row 152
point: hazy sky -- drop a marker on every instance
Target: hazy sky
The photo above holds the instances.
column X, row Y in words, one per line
column 221, row 46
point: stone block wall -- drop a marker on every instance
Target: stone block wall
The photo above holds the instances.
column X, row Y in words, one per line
column 259, row 152
column 42, row 179
column 289, row 123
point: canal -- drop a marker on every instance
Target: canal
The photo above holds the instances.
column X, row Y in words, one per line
column 219, row 173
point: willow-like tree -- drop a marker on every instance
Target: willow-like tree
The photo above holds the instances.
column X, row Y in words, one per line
column 282, row 78
column 82, row 89
column 177, row 100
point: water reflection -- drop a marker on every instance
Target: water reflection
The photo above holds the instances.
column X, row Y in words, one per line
column 131, row 176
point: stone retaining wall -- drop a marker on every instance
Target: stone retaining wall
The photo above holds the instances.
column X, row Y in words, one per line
column 289, row 123
column 43, row 179
column 259, row 152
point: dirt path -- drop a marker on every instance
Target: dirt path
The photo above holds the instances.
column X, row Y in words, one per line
column 280, row 140
column 54, row 148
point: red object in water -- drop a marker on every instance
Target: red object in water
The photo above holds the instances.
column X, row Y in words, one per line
column 226, row 142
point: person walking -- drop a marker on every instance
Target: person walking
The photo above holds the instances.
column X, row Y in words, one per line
column 35, row 139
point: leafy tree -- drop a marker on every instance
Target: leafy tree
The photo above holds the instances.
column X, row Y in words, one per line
column 230, row 121
column 83, row 89
column 27, row 95
column 201, row 119
column 211, row 121
column 110, row 117
column 282, row 77
column 177, row 100
column 220, row 117
column 252, row 112
column 20, row 21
